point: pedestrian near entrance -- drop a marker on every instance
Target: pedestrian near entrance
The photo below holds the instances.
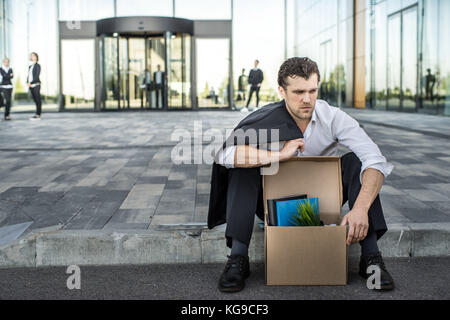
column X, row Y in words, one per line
column 307, row 127
column 6, row 87
column 255, row 78
column 159, row 80
column 242, row 86
column 34, row 83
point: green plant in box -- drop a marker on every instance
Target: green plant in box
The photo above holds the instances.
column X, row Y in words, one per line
column 307, row 214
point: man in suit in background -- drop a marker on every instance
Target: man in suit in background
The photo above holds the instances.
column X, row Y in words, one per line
column 158, row 78
column 6, row 87
column 255, row 79
column 242, row 84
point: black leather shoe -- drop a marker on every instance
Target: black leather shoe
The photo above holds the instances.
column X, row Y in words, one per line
column 386, row 281
column 236, row 271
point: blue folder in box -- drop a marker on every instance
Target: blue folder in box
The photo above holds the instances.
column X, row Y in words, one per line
column 287, row 209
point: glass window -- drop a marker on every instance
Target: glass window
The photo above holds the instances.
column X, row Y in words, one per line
column 157, row 78
column 379, row 56
column 394, row 61
column 2, row 31
column 145, row 8
column 70, row 10
column 78, row 73
column 177, row 64
column 34, row 28
column 136, row 71
column 213, row 72
column 110, row 74
column 203, row 9
column 266, row 45
column 123, row 73
column 443, row 77
column 409, row 59
column 345, row 46
column 430, row 62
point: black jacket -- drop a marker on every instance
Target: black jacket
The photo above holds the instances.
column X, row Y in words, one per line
column 6, row 77
column 255, row 77
column 36, row 73
column 272, row 116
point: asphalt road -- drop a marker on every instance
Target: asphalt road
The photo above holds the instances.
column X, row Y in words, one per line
column 416, row 278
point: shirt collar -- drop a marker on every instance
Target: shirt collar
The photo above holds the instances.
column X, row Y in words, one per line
column 314, row 115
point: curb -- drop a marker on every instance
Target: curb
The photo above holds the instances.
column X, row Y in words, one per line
column 49, row 247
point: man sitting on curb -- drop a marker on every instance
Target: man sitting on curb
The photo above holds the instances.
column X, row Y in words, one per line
column 313, row 128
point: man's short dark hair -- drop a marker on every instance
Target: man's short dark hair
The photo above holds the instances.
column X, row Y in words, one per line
column 299, row 67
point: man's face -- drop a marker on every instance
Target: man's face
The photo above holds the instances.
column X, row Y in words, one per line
column 6, row 62
column 256, row 64
column 300, row 96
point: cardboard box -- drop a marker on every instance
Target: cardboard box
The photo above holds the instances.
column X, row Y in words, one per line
column 307, row 255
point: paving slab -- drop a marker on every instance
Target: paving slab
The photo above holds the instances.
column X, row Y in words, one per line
column 94, row 172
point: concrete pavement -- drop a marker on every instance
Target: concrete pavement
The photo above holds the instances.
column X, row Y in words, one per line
column 100, row 188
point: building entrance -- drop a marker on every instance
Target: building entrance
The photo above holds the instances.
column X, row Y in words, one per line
column 145, row 63
column 135, row 72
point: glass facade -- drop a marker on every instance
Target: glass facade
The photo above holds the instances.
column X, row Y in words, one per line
column 127, row 8
column 31, row 26
column 410, row 51
column 328, row 43
column 5, row 28
column 107, row 72
column 397, row 58
column 178, row 70
column 78, row 74
column 404, row 46
column 213, row 88
column 79, row 10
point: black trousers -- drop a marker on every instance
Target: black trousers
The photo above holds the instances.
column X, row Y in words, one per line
column 5, row 99
column 36, row 94
column 253, row 89
column 244, row 199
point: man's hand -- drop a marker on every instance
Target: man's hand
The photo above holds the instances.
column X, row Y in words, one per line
column 29, row 85
column 290, row 148
column 358, row 221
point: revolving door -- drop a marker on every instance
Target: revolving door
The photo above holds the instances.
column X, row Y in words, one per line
column 145, row 70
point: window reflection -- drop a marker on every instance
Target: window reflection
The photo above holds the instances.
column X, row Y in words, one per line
column 78, row 71
column 110, row 74
column 177, row 64
column 70, row 10
column 126, row 8
column 212, row 72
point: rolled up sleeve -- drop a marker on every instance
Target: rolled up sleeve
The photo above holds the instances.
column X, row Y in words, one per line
column 348, row 133
column 225, row 157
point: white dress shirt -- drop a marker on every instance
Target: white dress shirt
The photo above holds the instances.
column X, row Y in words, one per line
column 158, row 77
column 30, row 74
column 328, row 127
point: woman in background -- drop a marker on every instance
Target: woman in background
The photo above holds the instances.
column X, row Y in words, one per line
column 6, row 87
column 34, row 83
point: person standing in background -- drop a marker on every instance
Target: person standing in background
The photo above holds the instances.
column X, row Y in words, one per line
column 6, row 87
column 255, row 79
column 158, row 78
column 242, row 84
column 34, row 83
